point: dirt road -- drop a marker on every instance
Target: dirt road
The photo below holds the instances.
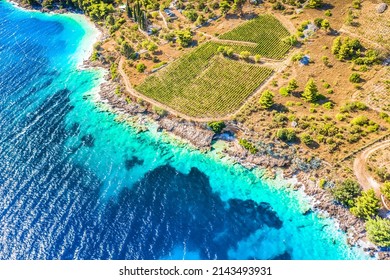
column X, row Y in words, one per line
column 360, row 167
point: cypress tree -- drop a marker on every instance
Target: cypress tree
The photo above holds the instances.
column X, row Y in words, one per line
column 311, row 91
column 129, row 11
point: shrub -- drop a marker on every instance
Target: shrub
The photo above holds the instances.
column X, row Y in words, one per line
column 291, row 40
column 378, row 231
column 328, row 13
column 114, row 71
column 355, row 78
column 307, row 139
column 366, row 206
column 322, row 183
column 325, row 24
column 159, row 111
column 328, row 129
column 353, row 107
column 278, row 6
column 297, row 56
column 280, row 119
column 318, row 22
column 346, row 192
column 328, row 105
column 286, row 134
column 314, row 3
column 340, row 117
column 284, row 91
column 217, row 127
column 385, row 190
column 383, row 115
column 325, row 60
column 360, row 120
column 356, row 4
column 248, row 145
column 140, row 67
column 257, row 58
column 245, row 54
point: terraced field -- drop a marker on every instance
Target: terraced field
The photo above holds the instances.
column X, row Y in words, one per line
column 204, row 84
column 266, row 31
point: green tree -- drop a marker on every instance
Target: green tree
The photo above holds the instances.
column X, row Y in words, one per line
column 346, row 192
column 126, row 49
column 378, row 231
column 129, row 10
column 224, row 7
column 385, row 189
column 184, row 37
column 152, row 47
column 191, row 15
column 292, row 85
column 266, row 99
column 366, row 206
column 310, row 93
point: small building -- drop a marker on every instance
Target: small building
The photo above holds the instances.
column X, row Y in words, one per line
column 170, row 14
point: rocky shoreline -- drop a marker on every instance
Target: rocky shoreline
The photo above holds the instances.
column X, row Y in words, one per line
column 272, row 156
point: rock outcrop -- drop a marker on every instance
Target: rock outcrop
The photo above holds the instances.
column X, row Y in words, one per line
column 381, row 8
column 198, row 136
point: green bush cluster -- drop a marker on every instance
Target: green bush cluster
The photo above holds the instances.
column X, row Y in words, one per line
column 366, row 206
column 353, row 107
column 248, row 145
column 217, row 127
column 346, row 192
column 226, row 51
column 286, row 134
column 352, row 49
column 378, row 231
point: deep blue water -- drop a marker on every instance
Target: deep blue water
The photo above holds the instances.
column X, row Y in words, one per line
column 78, row 183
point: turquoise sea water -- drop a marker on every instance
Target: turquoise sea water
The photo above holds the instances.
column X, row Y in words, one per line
column 77, row 183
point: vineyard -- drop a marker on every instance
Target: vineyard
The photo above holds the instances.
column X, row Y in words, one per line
column 202, row 84
column 266, row 31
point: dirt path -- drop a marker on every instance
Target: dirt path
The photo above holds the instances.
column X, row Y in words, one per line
column 360, row 167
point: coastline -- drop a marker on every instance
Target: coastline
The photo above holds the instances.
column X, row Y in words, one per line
column 200, row 137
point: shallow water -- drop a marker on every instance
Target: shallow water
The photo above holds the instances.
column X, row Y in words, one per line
column 76, row 183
